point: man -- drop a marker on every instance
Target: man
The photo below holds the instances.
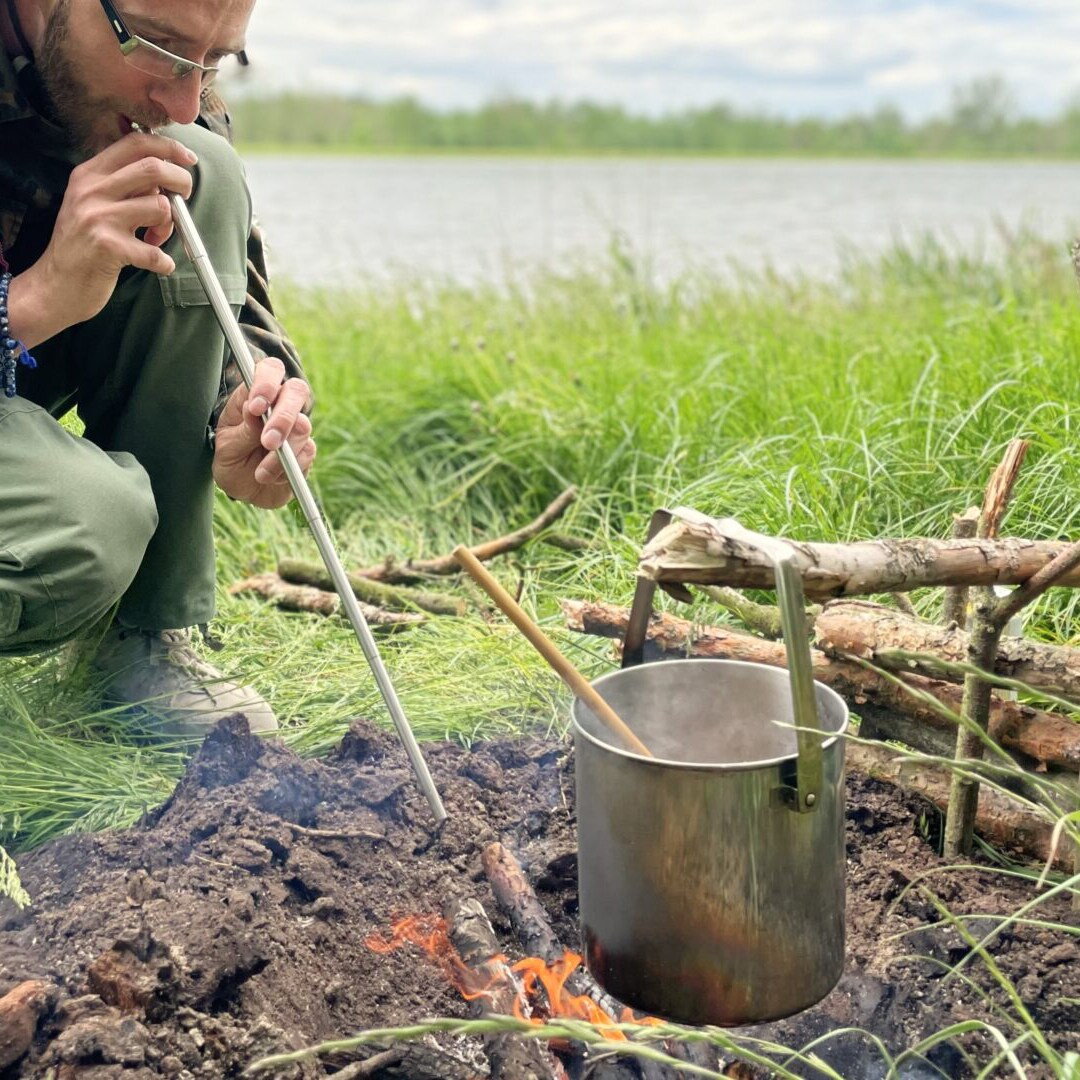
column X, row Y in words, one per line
column 118, row 522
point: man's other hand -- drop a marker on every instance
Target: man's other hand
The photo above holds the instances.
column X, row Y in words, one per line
column 246, row 464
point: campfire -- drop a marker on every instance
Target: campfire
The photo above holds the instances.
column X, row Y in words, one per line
column 551, row 984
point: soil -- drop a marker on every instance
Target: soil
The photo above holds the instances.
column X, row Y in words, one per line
column 231, row 923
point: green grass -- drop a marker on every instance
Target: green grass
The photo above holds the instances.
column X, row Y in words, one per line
column 875, row 405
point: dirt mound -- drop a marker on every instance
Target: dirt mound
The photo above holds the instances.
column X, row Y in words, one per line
column 232, row 922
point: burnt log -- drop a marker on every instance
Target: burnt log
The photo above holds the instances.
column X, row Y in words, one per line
column 510, row 1056
column 695, row 549
column 1042, row 738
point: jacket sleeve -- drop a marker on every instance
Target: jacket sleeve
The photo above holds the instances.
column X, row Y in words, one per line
column 264, row 333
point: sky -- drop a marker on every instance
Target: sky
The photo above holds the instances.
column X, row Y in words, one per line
column 824, row 58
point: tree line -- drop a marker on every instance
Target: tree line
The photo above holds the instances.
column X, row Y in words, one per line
column 981, row 120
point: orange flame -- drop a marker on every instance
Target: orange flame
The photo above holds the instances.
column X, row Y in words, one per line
column 540, row 987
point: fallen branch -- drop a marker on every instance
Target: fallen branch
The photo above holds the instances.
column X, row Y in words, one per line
column 886, row 637
column 399, row 573
column 377, row 593
column 696, row 549
column 288, row 597
column 1004, row 822
column 1047, row 739
column 292, row 597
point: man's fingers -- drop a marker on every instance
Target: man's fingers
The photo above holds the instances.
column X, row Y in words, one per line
column 141, row 145
column 270, row 471
column 146, row 175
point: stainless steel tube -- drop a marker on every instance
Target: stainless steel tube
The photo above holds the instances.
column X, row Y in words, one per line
column 196, row 251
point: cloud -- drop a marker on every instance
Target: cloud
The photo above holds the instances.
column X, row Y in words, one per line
column 794, row 57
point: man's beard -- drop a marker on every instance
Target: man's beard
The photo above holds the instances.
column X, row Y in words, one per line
column 91, row 123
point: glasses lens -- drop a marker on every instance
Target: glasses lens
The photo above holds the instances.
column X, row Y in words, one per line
column 151, row 59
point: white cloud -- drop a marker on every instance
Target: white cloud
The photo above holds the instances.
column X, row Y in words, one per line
column 790, row 56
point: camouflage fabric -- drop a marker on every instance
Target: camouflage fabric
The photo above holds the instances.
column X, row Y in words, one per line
column 35, row 163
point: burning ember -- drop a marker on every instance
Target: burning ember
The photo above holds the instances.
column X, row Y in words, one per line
column 539, row 988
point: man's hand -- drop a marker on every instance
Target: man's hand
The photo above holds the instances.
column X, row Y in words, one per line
column 245, row 463
column 109, row 198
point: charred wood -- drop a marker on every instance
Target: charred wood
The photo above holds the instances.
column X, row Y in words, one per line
column 510, row 1057
column 530, row 923
column 421, row 1060
column 1044, row 739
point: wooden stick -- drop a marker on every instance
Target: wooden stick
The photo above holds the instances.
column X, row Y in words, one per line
column 885, row 637
column 291, row 597
column 965, row 526
column 699, row 550
column 390, row 597
column 399, row 573
column 543, row 645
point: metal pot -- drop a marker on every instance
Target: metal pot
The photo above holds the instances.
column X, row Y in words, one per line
column 705, row 897
column 711, row 876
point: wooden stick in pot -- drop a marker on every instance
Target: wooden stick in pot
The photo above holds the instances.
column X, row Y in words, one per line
column 546, row 647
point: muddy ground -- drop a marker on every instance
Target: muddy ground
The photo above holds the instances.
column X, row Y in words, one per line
column 232, row 922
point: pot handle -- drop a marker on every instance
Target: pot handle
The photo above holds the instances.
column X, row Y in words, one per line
column 809, row 735
column 808, row 732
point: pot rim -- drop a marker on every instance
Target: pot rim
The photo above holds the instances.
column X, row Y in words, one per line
column 708, row 766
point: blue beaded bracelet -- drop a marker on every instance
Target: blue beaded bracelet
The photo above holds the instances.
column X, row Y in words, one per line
column 11, row 351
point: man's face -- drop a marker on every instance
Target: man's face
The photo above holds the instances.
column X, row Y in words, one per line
column 97, row 94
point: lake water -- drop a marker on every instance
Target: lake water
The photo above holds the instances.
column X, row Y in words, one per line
column 472, row 219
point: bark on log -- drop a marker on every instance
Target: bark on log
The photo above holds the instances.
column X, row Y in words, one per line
column 394, row 572
column 695, row 549
column 291, row 597
column 874, row 633
column 288, row 597
column 1001, row 820
column 510, row 1057
column 20, row 1010
column 1046, row 739
column 378, row 593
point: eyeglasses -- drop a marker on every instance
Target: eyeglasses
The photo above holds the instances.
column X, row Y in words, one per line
column 152, row 59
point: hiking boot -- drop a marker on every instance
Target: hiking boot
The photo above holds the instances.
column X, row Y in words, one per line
column 159, row 675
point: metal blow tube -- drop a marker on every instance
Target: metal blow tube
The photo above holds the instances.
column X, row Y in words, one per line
column 196, row 251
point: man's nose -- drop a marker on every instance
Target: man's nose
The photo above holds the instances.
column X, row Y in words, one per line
column 178, row 98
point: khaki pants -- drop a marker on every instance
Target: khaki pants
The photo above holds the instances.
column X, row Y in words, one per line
column 125, row 512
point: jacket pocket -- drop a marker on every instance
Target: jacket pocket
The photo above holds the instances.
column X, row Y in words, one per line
column 182, row 288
